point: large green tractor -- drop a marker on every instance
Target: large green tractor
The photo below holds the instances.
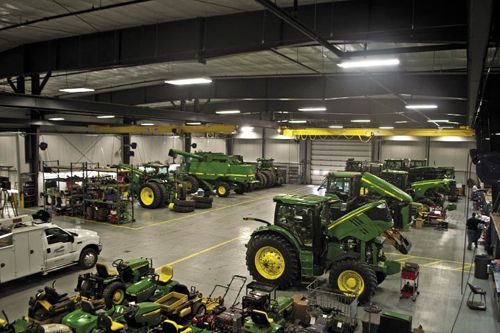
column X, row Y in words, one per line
column 267, row 174
column 312, row 234
column 216, row 171
column 355, row 189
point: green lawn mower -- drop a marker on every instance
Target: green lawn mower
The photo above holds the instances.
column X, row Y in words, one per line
column 312, row 234
column 108, row 286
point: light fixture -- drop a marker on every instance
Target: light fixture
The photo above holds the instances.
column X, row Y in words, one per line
column 360, row 121
column 455, row 114
column 193, row 123
column 246, row 129
column 185, row 82
column 56, row 119
column 105, row 117
column 228, row 111
column 283, row 121
column 446, row 127
column 313, row 109
column 386, row 127
column 421, row 106
column 147, row 124
column 497, row 134
column 76, row 90
column 297, row 121
column 437, row 121
column 335, row 126
column 369, row 63
column 401, row 121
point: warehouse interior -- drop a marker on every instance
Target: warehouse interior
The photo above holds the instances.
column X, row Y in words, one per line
column 249, row 166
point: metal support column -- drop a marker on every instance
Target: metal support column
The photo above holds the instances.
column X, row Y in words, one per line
column 18, row 164
column 187, row 142
column 305, row 153
column 126, row 148
column 375, row 149
column 427, row 149
column 230, row 146
column 263, row 149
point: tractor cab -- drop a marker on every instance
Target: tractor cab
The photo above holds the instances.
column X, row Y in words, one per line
column 342, row 184
column 397, row 178
column 397, row 164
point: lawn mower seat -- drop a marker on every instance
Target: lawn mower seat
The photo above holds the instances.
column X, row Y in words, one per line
column 170, row 326
column 260, row 319
column 103, row 271
column 107, row 324
column 166, row 274
column 88, row 307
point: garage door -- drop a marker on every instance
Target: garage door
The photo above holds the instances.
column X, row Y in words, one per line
column 330, row 155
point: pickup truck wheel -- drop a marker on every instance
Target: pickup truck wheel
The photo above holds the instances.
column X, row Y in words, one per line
column 88, row 258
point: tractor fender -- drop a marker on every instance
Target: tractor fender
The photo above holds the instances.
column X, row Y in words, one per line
column 277, row 230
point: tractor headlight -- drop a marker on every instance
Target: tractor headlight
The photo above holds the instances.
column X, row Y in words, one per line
column 382, row 206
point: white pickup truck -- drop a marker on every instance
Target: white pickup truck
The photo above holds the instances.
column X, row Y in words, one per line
column 27, row 247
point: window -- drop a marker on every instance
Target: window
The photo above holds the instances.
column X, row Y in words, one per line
column 340, row 186
column 56, row 235
column 297, row 219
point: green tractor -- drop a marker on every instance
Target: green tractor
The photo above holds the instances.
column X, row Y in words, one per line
column 363, row 166
column 216, row 171
column 108, row 286
column 267, row 174
column 312, row 234
column 355, row 189
column 134, row 318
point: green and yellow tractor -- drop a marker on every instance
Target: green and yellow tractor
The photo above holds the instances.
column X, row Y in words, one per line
column 312, row 234
column 216, row 171
column 267, row 174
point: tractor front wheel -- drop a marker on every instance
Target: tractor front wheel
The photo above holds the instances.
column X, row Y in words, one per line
column 222, row 189
column 150, row 195
column 272, row 259
column 192, row 184
column 114, row 294
column 353, row 278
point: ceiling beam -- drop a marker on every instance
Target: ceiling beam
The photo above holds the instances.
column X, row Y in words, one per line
column 368, row 132
column 480, row 13
column 134, row 112
column 353, row 21
column 294, row 87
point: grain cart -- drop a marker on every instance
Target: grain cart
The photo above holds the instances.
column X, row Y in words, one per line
column 216, row 171
column 267, row 174
column 311, row 234
column 355, row 188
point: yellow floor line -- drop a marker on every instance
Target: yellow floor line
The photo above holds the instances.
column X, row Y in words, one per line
column 424, row 258
column 405, row 258
column 208, row 249
column 431, row 263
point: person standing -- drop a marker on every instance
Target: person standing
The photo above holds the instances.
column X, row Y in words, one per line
column 472, row 226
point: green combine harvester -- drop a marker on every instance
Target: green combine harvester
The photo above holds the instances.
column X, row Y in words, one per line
column 216, row 171
column 355, row 188
column 314, row 234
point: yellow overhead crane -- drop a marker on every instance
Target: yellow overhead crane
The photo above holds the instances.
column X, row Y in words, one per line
column 165, row 129
column 369, row 132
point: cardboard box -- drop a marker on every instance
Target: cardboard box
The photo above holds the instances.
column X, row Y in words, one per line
column 300, row 305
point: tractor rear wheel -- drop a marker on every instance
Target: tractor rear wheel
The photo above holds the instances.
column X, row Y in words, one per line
column 353, row 277
column 380, row 277
column 240, row 188
column 262, row 179
column 193, row 184
column 184, row 203
column 272, row 259
column 163, row 194
column 207, row 200
column 271, row 180
column 150, row 195
column 114, row 294
column 222, row 189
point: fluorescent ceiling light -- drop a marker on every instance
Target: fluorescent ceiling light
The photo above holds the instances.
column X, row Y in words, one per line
column 445, row 127
column 193, row 123
column 105, row 117
column 56, row 119
column 228, row 112
column 297, row 121
column 335, row 126
column 437, row 121
column 497, row 134
column 147, row 124
column 283, row 121
column 184, row 82
column 455, row 114
column 401, row 121
column 76, row 90
column 369, row 63
column 360, row 121
column 246, row 129
column 313, row 109
column 421, row 106
column 386, row 127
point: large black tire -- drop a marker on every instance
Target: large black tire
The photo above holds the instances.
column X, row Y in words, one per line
column 193, row 184
column 198, row 309
column 114, row 294
column 290, row 276
column 183, row 209
column 203, row 205
column 150, row 196
column 222, row 189
column 207, row 200
column 262, row 179
column 240, row 188
column 271, row 180
column 184, row 203
column 88, row 258
column 163, row 194
column 380, row 277
column 363, row 270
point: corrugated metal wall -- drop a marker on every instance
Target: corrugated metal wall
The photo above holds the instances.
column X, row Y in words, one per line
column 154, row 148
column 452, row 154
column 249, row 149
column 330, row 155
column 403, row 149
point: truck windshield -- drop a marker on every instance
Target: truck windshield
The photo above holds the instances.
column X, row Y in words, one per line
column 298, row 219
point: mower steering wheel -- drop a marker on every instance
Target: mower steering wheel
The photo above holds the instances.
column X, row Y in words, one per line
column 117, row 262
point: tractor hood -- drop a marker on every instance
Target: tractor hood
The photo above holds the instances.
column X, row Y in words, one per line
column 384, row 188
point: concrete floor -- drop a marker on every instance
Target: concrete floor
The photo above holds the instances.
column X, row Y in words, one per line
column 208, row 247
